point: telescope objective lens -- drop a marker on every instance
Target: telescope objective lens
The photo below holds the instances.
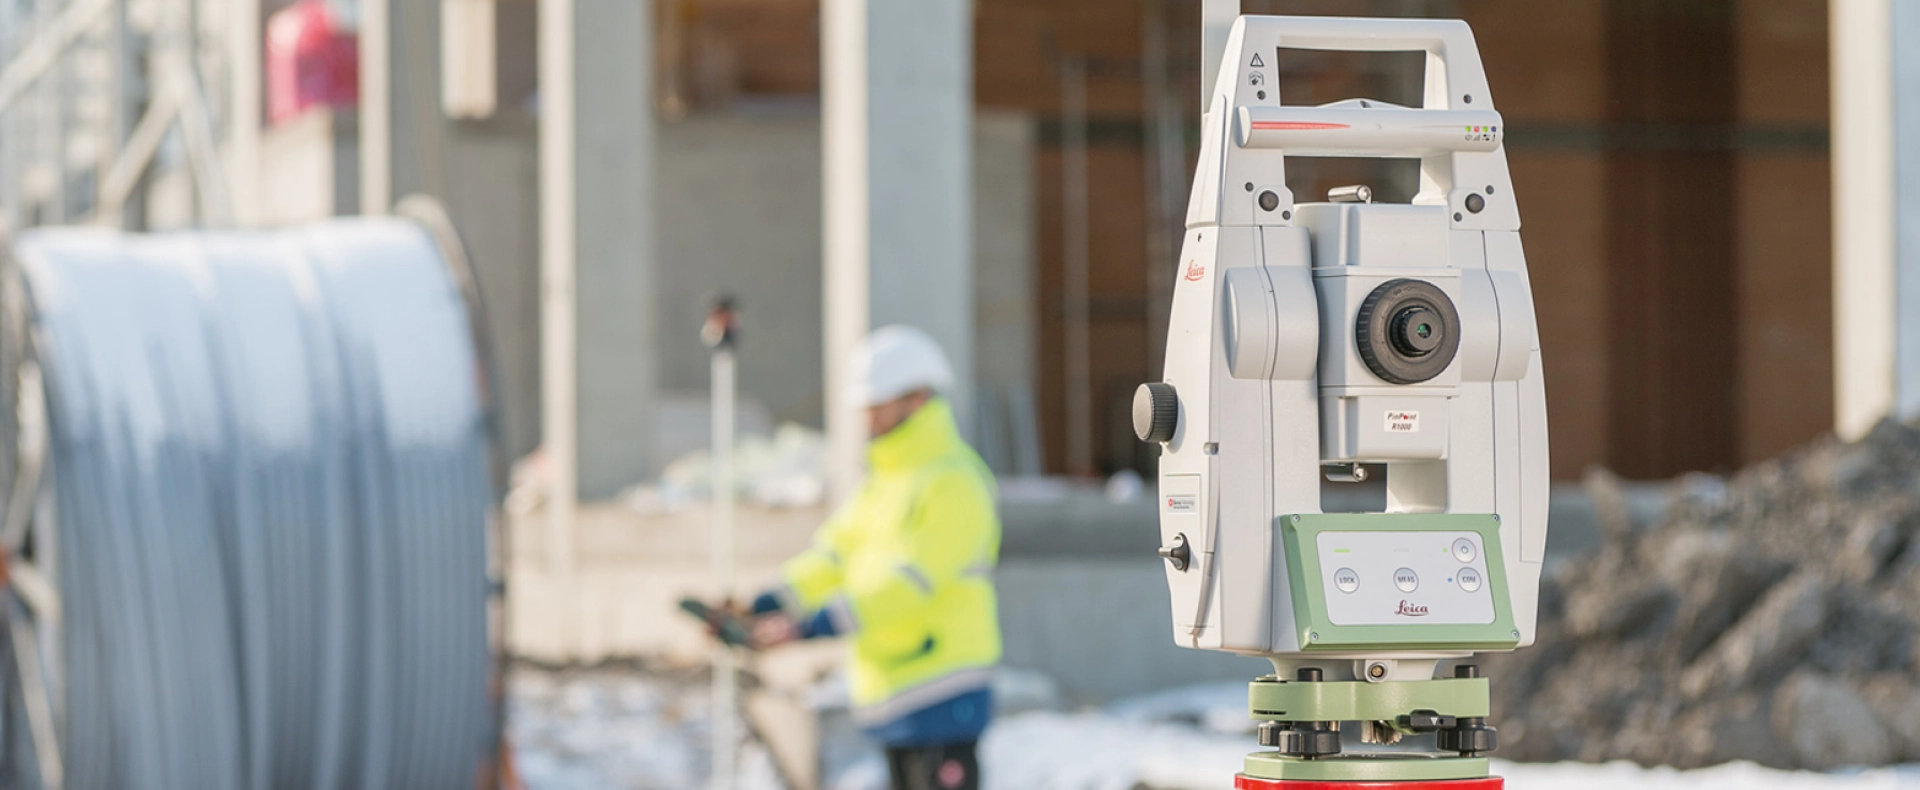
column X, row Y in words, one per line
column 1407, row 331
column 1414, row 332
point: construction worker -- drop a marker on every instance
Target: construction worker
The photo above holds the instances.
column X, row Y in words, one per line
column 904, row 572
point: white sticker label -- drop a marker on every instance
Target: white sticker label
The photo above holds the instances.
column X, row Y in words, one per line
column 1180, row 504
column 1403, row 422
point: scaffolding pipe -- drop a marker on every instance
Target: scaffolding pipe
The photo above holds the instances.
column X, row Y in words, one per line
column 244, row 37
column 47, row 47
column 121, row 178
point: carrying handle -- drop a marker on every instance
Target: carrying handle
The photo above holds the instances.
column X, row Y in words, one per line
column 1354, row 34
column 1455, row 78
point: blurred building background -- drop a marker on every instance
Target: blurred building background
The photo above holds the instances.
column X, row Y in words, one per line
column 1022, row 170
column 1673, row 158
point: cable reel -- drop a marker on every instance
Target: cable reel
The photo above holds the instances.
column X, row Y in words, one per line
column 252, row 528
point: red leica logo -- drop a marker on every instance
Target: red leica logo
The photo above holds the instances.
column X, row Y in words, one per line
column 1195, row 271
column 1410, row 610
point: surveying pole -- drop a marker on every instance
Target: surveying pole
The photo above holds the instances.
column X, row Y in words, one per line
column 719, row 334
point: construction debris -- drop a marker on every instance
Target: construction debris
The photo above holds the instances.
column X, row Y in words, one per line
column 1766, row 617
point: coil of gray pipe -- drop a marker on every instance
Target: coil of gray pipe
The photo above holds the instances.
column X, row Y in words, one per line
column 256, row 496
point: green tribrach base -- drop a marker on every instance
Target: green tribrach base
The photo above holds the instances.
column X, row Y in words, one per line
column 1272, row 699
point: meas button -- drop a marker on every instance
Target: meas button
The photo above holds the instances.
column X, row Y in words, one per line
column 1406, row 580
column 1469, row 580
column 1346, row 580
column 1464, row 550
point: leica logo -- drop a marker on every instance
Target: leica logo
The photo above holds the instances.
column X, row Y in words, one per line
column 1195, row 271
column 1410, row 610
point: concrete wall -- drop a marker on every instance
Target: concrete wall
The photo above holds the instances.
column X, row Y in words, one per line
column 492, row 177
column 1671, row 162
column 739, row 211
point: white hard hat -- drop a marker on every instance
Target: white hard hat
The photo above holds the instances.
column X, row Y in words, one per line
column 895, row 360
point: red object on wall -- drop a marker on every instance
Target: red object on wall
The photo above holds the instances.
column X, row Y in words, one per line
column 1245, row 782
column 311, row 62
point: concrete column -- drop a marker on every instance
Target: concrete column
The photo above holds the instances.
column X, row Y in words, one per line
column 897, row 111
column 1905, row 50
column 244, row 67
column 403, row 133
column 597, row 254
column 1875, row 52
column 614, row 243
column 376, row 105
column 559, row 415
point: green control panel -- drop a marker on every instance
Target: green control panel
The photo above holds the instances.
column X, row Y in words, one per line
column 1393, row 581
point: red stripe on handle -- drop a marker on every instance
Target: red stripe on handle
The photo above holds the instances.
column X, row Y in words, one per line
column 1295, row 126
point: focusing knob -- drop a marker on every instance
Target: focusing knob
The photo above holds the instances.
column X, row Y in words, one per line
column 1156, row 410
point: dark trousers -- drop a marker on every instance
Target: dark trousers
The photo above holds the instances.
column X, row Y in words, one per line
column 950, row 766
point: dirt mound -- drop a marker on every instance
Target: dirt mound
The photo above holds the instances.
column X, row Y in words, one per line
column 1768, row 617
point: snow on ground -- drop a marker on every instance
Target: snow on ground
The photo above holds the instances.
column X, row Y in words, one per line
column 612, row 728
column 1099, row 751
column 1731, row 776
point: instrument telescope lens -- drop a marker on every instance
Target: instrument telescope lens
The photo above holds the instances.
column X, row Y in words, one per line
column 1415, row 331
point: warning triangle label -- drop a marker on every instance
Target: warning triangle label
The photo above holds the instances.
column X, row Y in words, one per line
column 1257, row 62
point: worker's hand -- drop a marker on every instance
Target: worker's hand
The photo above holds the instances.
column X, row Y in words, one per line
column 771, row 630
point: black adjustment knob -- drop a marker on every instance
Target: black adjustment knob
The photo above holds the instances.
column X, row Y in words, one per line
column 1470, row 737
column 1155, row 412
column 1309, row 739
column 1268, row 733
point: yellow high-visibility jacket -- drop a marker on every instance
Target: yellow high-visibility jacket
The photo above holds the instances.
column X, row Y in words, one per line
column 905, row 570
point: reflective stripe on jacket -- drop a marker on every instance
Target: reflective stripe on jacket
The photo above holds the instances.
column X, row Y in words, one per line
column 905, row 569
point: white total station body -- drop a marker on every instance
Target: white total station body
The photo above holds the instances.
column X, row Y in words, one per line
column 1272, row 387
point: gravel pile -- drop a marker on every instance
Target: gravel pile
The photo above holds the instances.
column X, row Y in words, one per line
column 1770, row 616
